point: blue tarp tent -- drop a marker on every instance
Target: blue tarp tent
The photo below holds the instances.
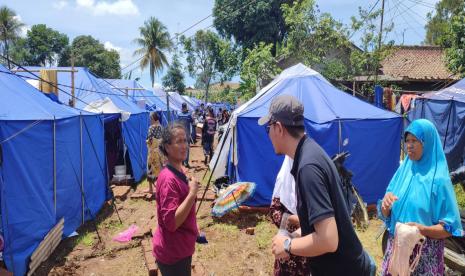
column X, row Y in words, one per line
column 191, row 100
column 336, row 120
column 50, row 153
column 90, row 90
column 446, row 109
column 137, row 93
column 178, row 100
column 151, row 101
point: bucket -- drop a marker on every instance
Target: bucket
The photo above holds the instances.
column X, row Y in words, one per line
column 120, row 170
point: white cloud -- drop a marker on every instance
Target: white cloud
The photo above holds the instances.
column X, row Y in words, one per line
column 60, row 5
column 24, row 29
column 118, row 7
column 109, row 46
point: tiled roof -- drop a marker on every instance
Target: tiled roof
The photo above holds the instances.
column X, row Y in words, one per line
column 416, row 63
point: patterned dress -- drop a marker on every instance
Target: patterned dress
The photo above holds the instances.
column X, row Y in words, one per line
column 431, row 260
column 295, row 265
column 155, row 159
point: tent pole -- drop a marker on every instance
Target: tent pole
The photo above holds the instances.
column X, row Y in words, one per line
column 211, row 175
column 83, row 199
column 340, row 136
column 82, row 168
column 447, row 127
column 168, row 108
column 54, row 166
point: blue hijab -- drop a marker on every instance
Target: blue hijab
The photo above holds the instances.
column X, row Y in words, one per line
column 424, row 190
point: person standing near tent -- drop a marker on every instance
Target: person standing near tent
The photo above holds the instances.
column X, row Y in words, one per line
column 421, row 194
column 283, row 205
column 185, row 118
column 326, row 234
column 154, row 158
column 219, row 116
column 195, row 116
column 176, row 233
column 208, row 134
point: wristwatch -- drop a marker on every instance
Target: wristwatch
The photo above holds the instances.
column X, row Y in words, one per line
column 287, row 245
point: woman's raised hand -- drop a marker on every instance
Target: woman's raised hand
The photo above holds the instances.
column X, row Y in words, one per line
column 193, row 186
column 386, row 205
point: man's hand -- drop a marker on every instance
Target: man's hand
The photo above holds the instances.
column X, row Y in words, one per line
column 387, row 203
column 278, row 247
column 293, row 220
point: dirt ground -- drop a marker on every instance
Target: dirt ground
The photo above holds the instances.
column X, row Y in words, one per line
column 230, row 251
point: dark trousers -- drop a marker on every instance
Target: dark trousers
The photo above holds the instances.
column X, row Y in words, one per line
column 181, row 268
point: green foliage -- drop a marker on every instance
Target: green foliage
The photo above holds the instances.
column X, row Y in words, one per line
column 210, row 58
column 89, row 52
column 438, row 23
column 460, row 194
column 367, row 61
column 86, row 239
column 455, row 55
column 251, row 22
column 10, row 28
column 44, row 46
column 227, row 94
column 316, row 39
column 19, row 52
column 174, row 78
column 258, row 67
column 154, row 41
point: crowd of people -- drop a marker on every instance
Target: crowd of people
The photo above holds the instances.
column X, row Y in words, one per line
column 419, row 208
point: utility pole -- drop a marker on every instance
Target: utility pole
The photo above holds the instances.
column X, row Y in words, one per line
column 380, row 37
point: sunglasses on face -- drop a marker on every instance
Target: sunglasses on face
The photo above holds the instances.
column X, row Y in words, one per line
column 268, row 126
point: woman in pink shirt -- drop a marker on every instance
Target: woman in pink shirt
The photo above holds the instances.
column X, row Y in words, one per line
column 175, row 236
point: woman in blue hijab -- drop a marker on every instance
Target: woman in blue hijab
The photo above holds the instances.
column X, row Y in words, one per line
column 421, row 194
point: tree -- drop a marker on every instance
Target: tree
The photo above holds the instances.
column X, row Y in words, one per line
column 174, row 79
column 210, row 58
column 154, row 40
column 10, row 27
column 251, row 22
column 259, row 66
column 438, row 23
column 89, row 52
column 455, row 55
column 44, row 45
column 19, row 52
column 367, row 61
column 313, row 38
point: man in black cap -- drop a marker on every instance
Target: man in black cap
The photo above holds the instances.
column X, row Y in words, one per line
column 326, row 235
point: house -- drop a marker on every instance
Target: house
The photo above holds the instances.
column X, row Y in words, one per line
column 412, row 68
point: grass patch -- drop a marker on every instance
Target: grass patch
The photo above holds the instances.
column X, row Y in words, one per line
column 460, row 194
column 264, row 232
column 112, row 225
column 86, row 239
column 143, row 184
column 226, row 229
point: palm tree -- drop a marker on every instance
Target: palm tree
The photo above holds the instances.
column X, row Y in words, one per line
column 154, row 40
column 10, row 28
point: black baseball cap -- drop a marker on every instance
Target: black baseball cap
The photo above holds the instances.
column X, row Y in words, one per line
column 285, row 109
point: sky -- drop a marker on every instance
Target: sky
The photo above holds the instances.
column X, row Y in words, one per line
column 116, row 23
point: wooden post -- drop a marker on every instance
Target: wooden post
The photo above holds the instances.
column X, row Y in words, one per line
column 73, row 103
